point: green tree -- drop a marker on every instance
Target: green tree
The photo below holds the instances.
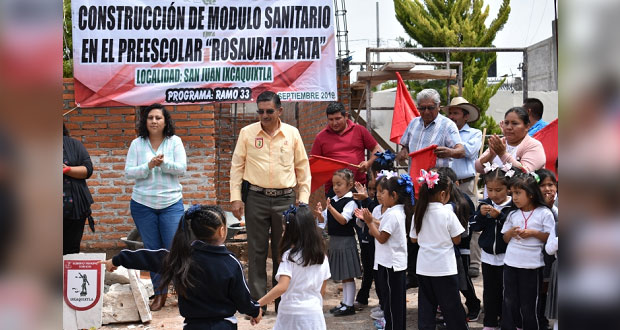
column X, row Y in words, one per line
column 67, row 38
column 456, row 23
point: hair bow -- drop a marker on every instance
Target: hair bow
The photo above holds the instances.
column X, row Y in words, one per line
column 385, row 158
column 431, row 178
column 536, row 177
column 188, row 213
column 488, row 167
column 387, row 174
column 508, row 169
column 405, row 180
column 292, row 210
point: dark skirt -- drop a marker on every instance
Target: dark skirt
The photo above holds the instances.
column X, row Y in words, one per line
column 344, row 260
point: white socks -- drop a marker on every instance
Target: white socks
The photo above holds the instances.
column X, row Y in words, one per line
column 348, row 293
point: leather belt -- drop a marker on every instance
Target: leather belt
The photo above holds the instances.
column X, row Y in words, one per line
column 270, row 192
column 466, row 179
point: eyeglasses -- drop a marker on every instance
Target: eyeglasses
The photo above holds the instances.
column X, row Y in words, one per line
column 269, row 111
column 433, row 107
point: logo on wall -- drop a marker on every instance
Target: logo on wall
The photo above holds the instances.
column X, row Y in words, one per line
column 258, row 143
column 82, row 283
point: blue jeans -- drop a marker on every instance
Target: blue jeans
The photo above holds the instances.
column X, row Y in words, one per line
column 157, row 228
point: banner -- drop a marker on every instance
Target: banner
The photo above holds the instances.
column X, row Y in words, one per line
column 138, row 52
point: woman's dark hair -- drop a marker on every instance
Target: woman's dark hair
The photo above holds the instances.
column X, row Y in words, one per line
column 65, row 131
column 198, row 222
column 496, row 175
column 144, row 113
column 461, row 206
column 392, row 186
column 424, row 196
column 302, row 237
column 528, row 183
column 544, row 173
column 346, row 174
column 521, row 113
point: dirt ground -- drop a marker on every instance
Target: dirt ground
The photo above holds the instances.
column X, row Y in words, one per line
column 169, row 318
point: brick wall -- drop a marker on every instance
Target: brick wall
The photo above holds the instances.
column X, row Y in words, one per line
column 209, row 134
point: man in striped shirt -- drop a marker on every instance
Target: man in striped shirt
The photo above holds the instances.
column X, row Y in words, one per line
column 428, row 129
column 431, row 128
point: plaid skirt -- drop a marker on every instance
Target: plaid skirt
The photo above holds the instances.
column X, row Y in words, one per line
column 344, row 260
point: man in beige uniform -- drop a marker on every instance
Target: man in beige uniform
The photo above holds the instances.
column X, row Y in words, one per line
column 271, row 156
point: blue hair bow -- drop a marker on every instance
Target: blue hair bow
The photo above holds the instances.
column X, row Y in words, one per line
column 385, row 158
column 292, row 210
column 405, row 180
column 188, row 213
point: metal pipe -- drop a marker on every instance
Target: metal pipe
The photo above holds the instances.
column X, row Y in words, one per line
column 377, row 10
column 448, row 80
column 445, row 49
column 368, row 91
column 524, row 72
column 460, row 79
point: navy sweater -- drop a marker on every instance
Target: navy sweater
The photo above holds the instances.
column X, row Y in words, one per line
column 221, row 291
column 491, row 239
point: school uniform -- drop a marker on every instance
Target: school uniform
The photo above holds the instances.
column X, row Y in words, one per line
column 301, row 306
column 436, row 268
column 491, row 241
column 344, row 261
column 367, row 254
column 391, row 266
column 523, row 264
column 219, row 291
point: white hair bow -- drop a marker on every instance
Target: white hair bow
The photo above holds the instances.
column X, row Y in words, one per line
column 508, row 169
column 387, row 174
column 488, row 167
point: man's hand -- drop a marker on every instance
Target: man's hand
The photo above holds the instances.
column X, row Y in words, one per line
column 238, row 209
column 363, row 166
column 443, row 152
column 402, row 155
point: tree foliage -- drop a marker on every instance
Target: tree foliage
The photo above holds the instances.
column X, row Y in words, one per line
column 456, row 23
column 67, row 37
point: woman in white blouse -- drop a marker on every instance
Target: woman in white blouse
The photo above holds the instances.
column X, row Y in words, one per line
column 156, row 159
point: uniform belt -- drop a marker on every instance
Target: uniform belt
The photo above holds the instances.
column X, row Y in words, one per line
column 271, row 192
column 466, row 179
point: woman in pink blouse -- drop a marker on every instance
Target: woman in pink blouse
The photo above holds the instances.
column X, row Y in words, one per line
column 516, row 147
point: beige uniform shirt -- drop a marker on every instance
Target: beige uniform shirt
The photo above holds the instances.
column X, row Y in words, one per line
column 278, row 161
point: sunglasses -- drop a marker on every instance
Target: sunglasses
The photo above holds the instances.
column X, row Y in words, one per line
column 427, row 108
column 269, row 112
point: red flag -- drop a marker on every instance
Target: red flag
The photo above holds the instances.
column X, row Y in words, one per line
column 404, row 111
column 424, row 158
column 322, row 169
column 548, row 136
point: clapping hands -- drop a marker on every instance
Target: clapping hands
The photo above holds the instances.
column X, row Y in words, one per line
column 361, row 193
column 364, row 214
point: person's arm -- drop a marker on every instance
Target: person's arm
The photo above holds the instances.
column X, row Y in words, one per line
column 532, row 158
column 455, row 228
column 456, row 240
column 85, row 168
column 237, row 168
column 133, row 170
column 453, row 146
column 302, row 170
column 472, row 145
column 337, row 216
column 276, row 291
column 487, row 157
column 403, row 154
column 177, row 165
column 369, row 220
column 77, row 172
column 142, row 259
column 542, row 236
column 240, row 294
column 551, row 247
column 365, row 165
column 323, row 288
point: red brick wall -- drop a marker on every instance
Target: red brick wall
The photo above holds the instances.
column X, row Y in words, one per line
column 209, row 134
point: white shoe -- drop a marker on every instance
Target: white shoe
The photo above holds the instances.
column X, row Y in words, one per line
column 377, row 315
column 376, row 308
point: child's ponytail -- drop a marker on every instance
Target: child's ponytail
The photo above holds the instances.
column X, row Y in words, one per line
column 198, row 222
column 431, row 184
column 302, row 237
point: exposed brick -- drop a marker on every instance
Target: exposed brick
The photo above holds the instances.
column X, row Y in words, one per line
column 81, row 118
column 109, row 190
column 123, row 111
column 188, row 123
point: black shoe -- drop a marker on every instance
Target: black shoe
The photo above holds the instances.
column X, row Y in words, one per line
column 345, row 310
column 333, row 310
column 473, row 315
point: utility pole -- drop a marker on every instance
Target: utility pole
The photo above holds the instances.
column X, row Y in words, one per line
column 378, row 54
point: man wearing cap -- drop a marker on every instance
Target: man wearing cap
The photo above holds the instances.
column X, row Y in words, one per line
column 461, row 112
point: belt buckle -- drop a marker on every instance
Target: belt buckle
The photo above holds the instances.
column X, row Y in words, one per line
column 271, row 192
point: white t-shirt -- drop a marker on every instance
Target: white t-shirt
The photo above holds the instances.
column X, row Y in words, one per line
column 392, row 253
column 527, row 252
column 347, row 211
column 304, row 291
column 495, row 259
column 436, row 256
